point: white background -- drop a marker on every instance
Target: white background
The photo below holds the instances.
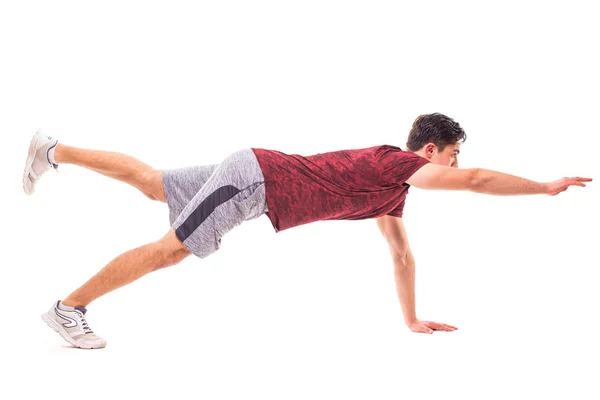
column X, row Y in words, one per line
column 311, row 312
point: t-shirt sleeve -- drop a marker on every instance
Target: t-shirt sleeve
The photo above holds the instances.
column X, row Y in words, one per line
column 398, row 166
column 397, row 212
column 411, row 164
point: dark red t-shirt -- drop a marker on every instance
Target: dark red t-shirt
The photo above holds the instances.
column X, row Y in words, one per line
column 346, row 184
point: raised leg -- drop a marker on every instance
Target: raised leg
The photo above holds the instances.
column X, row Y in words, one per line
column 128, row 267
column 117, row 166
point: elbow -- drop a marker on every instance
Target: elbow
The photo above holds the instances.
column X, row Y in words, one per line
column 475, row 180
column 400, row 259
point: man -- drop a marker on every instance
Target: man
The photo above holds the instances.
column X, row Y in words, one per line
column 205, row 202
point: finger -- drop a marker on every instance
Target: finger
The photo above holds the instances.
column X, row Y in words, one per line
column 426, row 329
column 439, row 327
column 422, row 329
column 444, row 325
column 583, row 179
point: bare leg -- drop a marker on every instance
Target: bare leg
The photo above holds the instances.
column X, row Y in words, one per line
column 115, row 165
column 128, row 267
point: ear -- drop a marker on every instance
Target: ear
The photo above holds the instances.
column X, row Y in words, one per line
column 430, row 149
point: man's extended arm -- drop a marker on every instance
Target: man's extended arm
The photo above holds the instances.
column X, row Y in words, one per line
column 433, row 176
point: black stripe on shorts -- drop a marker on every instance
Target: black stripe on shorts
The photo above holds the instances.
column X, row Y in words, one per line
column 203, row 211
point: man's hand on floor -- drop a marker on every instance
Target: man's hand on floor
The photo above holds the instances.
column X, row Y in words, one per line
column 429, row 327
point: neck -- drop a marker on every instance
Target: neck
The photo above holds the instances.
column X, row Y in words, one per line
column 420, row 153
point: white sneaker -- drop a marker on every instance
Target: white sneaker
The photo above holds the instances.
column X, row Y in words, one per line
column 70, row 323
column 38, row 161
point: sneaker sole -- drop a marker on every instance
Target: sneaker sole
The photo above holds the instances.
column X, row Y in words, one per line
column 28, row 164
column 57, row 328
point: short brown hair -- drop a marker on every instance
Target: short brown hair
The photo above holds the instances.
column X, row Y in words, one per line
column 435, row 128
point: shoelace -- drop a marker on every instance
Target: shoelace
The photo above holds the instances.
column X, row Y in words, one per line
column 84, row 323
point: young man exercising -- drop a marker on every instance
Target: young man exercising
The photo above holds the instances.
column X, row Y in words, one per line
column 205, row 202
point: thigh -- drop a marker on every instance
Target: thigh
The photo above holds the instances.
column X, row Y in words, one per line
column 182, row 184
column 234, row 192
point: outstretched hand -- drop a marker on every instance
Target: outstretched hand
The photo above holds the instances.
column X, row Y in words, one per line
column 429, row 327
column 554, row 188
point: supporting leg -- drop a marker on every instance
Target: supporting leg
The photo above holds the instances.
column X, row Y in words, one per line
column 128, row 267
column 117, row 166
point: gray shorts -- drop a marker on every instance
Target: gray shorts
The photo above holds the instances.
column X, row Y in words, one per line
column 205, row 202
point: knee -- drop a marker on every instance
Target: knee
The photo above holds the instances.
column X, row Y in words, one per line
column 153, row 185
column 172, row 250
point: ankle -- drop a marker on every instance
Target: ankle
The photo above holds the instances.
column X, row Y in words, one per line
column 59, row 153
column 72, row 302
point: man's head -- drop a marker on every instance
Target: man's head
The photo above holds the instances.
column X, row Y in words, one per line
column 437, row 138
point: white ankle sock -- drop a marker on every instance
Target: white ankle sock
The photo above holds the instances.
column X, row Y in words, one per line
column 64, row 307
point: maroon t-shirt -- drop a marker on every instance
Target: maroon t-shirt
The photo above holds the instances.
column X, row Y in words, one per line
column 346, row 184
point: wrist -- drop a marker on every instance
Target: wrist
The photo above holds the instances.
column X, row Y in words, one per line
column 410, row 321
column 544, row 188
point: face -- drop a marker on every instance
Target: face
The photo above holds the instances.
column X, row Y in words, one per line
column 448, row 157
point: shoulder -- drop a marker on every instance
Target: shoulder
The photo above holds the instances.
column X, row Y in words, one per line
column 433, row 176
